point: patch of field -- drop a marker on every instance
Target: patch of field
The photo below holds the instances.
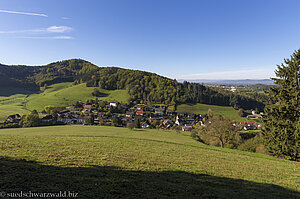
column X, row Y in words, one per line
column 225, row 111
column 85, row 93
column 109, row 162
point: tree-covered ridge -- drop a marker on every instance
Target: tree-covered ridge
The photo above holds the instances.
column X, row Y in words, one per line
column 32, row 77
column 63, row 71
column 150, row 88
column 17, row 76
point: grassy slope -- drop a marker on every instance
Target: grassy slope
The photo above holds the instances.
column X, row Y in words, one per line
column 106, row 161
column 12, row 105
column 62, row 94
column 226, row 111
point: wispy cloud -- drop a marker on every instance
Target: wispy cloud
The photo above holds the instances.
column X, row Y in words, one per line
column 63, row 37
column 54, row 38
column 65, row 18
column 24, row 13
column 237, row 74
column 59, row 29
column 51, row 29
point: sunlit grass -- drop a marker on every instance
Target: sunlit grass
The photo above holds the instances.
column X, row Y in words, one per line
column 225, row 111
column 144, row 151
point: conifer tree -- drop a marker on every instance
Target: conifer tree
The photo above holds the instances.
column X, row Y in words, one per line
column 282, row 120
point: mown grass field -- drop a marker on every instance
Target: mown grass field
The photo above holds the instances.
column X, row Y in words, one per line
column 109, row 162
column 225, row 111
column 58, row 95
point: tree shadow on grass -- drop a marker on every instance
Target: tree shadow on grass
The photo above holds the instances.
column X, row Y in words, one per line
column 7, row 91
column 112, row 182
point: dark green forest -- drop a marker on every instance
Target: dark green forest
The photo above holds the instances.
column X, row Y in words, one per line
column 142, row 86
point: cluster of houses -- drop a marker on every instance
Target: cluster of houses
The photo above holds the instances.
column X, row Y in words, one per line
column 96, row 112
column 250, row 125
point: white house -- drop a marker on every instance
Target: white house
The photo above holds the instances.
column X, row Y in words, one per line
column 114, row 104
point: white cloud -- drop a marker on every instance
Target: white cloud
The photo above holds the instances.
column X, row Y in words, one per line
column 15, row 31
column 24, row 13
column 51, row 29
column 237, row 74
column 63, row 37
column 55, row 37
column 66, row 18
column 59, row 29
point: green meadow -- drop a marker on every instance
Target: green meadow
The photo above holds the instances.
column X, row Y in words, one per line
column 225, row 111
column 66, row 94
column 12, row 105
column 110, row 162
column 58, row 95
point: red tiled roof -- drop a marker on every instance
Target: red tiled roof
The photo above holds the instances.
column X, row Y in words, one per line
column 87, row 106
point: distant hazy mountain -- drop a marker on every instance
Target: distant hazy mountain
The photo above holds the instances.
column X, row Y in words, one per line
column 231, row 82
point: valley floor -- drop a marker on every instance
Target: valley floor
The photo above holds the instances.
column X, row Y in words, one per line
column 105, row 162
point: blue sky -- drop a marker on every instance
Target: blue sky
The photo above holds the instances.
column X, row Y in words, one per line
column 212, row 39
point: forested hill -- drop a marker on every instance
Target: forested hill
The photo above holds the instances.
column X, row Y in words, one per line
column 151, row 88
column 17, row 76
column 142, row 86
column 32, row 77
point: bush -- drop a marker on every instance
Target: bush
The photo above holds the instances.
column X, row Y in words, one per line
column 219, row 132
column 241, row 112
column 253, row 145
column 195, row 136
column 130, row 125
column 31, row 120
column 248, row 145
column 229, row 146
column 9, row 125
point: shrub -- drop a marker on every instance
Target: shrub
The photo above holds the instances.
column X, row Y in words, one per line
column 253, row 145
column 130, row 125
column 221, row 131
column 241, row 112
column 248, row 145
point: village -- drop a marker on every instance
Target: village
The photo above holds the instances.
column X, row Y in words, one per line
column 133, row 115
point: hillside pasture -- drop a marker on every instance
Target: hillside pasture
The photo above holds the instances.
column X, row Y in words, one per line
column 12, row 105
column 225, row 111
column 109, row 162
column 58, row 95
column 66, row 94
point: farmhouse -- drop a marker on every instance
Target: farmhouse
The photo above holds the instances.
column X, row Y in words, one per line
column 254, row 116
column 187, row 128
column 47, row 118
column 139, row 112
column 87, row 106
column 166, row 124
column 114, row 104
column 105, row 122
column 145, row 125
column 159, row 111
column 14, row 118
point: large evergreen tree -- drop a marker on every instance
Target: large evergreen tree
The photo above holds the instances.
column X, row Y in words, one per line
column 282, row 120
